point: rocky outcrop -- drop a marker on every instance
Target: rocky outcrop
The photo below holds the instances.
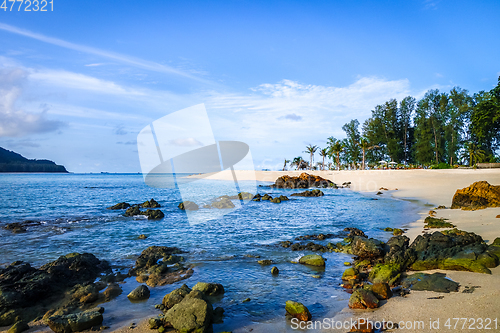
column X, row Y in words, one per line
column 76, row 322
column 150, row 204
column 152, row 214
column 432, row 282
column 223, row 203
column 432, row 222
column 312, row 193
column 24, row 290
column 297, row 310
column 477, row 196
column 20, row 227
column 303, row 181
column 160, row 265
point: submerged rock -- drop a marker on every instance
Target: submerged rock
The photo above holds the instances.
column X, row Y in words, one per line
column 153, row 214
column 312, row 260
column 121, row 205
column 312, row 193
column 209, row 289
column 275, row 270
column 188, row 205
column 150, row 204
column 297, row 310
column 133, row 211
column 303, row 181
column 20, row 227
column 479, row 195
column 223, row 203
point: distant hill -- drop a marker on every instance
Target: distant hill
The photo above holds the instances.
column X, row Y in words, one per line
column 14, row 162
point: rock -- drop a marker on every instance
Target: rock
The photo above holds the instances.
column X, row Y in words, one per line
column 218, row 315
column 312, row 260
column 498, row 216
column 175, row 296
column 155, row 323
column 298, row 310
column 192, row 314
column 366, row 248
column 86, row 293
column 381, row 290
column 363, row 299
column 275, row 270
column 266, row 197
column 432, row 213
column 309, row 247
column 350, row 274
column 142, row 236
column 246, row 300
column 19, row 327
column 432, row 282
column 379, row 193
column 133, row 211
column 265, row 262
column 153, row 214
column 76, row 322
column 188, row 205
column 283, row 198
column 121, row 205
column 209, row 289
column 318, row 237
column 303, row 181
column 440, row 207
column 15, row 227
column 150, row 204
column 385, row 273
column 355, row 232
column 245, row 196
column 275, row 200
column 112, row 291
column 479, row 195
column 397, row 232
column 223, row 203
column 432, row 222
column 312, row 193
column 139, row 293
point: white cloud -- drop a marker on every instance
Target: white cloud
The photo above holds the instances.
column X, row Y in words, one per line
column 186, row 142
column 16, row 122
column 94, row 65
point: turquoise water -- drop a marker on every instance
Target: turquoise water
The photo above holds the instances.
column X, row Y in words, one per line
column 72, row 210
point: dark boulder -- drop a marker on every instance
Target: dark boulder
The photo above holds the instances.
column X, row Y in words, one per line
column 153, row 214
column 192, row 314
column 76, row 322
column 133, row 211
column 303, row 181
column 312, row 193
column 363, row 299
column 140, row 293
column 432, row 282
column 121, row 205
column 367, row 247
column 150, row 204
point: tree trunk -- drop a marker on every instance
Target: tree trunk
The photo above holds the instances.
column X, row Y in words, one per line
column 363, row 159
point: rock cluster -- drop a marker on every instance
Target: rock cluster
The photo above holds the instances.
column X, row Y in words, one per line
column 312, row 193
column 134, row 210
column 190, row 310
column 160, row 265
column 19, row 227
column 25, row 291
column 479, row 195
column 303, row 181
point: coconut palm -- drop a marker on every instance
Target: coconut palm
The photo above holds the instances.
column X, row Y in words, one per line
column 335, row 149
column 475, row 152
column 323, row 153
column 297, row 161
column 365, row 145
column 286, row 162
column 311, row 150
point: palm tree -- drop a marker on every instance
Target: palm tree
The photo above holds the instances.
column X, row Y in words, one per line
column 335, row 149
column 475, row 152
column 323, row 153
column 311, row 150
column 365, row 145
column 297, row 161
column 286, row 162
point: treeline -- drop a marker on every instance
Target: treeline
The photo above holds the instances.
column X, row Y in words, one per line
column 14, row 162
column 442, row 128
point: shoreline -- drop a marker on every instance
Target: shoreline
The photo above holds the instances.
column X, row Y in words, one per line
column 429, row 188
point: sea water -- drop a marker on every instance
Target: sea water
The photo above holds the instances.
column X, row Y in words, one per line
column 71, row 209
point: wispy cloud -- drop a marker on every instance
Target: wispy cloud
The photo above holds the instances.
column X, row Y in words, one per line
column 120, row 130
column 94, row 65
column 187, row 142
column 291, row 116
column 14, row 121
column 140, row 63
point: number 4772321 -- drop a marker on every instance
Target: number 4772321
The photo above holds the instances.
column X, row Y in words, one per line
column 27, row 5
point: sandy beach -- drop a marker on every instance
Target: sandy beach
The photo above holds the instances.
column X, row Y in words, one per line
column 430, row 188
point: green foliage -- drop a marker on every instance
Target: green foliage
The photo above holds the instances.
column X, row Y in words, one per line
column 442, row 165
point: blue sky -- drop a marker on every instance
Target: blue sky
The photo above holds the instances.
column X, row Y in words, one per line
column 77, row 84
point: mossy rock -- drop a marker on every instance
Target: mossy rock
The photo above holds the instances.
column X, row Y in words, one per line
column 312, row 260
column 385, row 273
column 363, row 299
column 275, row 200
column 432, row 222
column 461, row 264
column 436, row 282
column 397, row 232
column 350, row 273
column 298, row 310
column 388, row 229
